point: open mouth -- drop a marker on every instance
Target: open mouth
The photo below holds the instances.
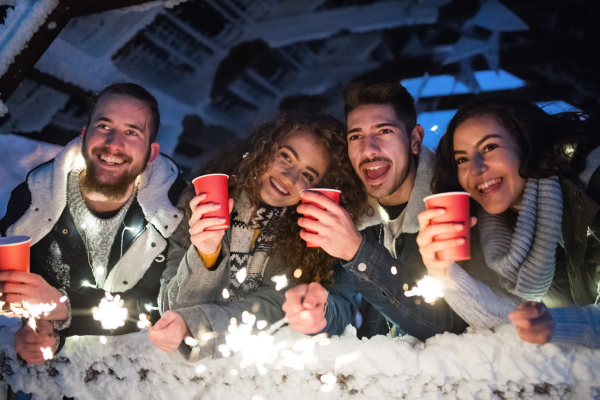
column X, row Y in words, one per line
column 489, row 186
column 278, row 187
column 376, row 171
column 111, row 160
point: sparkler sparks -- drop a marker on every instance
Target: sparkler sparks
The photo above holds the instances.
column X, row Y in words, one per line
column 32, row 311
column 429, row 288
column 110, row 312
column 225, row 293
column 47, row 353
column 241, row 275
column 281, row 282
column 144, row 322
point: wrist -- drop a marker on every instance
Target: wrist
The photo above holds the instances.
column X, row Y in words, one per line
column 354, row 246
column 438, row 273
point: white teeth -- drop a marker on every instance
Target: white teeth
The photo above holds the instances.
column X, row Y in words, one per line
column 374, row 168
column 488, row 183
column 278, row 186
column 110, row 159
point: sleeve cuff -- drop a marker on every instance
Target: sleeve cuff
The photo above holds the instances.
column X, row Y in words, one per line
column 61, row 325
column 568, row 325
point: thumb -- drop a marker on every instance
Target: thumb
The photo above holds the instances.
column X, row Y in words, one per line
column 163, row 322
column 473, row 221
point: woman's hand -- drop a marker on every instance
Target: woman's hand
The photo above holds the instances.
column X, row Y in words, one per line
column 205, row 241
column 169, row 331
column 534, row 323
column 437, row 268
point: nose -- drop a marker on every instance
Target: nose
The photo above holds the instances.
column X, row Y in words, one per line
column 114, row 140
column 290, row 176
column 371, row 147
column 478, row 165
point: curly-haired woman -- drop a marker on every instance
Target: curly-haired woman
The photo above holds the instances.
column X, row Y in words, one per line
column 267, row 173
column 536, row 183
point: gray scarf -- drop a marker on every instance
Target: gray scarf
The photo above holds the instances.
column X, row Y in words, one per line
column 525, row 257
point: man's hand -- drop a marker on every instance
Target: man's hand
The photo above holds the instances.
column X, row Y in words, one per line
column 29, row 343
column 336, row 233
column 534, row 322
column 305, row 307
column 168, row 333
column 206, row 241
column 33, row 289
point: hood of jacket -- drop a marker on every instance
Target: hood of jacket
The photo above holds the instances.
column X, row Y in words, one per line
column 48, row 186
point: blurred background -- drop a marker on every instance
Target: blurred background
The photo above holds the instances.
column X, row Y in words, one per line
column 218, row 67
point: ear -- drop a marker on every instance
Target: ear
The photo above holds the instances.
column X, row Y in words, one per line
column 416, row 139
column 83, row 132
column 154, row 150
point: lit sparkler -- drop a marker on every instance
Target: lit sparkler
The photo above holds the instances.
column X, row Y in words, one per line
column 429, row 288
column 110, row 312
column 47, row 353
column 32, row 311
column 281, row 282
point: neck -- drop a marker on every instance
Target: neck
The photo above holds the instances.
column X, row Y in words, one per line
column 402, row 194
column 98, row 203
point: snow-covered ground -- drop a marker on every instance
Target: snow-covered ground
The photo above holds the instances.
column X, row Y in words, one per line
column 485, row 365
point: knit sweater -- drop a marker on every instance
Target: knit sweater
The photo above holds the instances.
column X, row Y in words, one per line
column 579, row 325
column 195, row 292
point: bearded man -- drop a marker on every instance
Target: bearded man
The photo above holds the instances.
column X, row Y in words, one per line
column 99, row 215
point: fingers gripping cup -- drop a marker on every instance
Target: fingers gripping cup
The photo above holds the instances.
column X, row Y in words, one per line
column 14, row 253
column 333, row 194
column 216, row 188
column 457, row 210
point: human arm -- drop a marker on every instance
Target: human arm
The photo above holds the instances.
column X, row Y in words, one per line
column 28, row 343
column 538, row 324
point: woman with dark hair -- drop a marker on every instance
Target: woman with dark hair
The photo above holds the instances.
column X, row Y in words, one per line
column 214, row 276
column 533, row 179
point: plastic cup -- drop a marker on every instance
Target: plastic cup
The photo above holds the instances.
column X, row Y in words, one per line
column 216, row 188
column 14, row 253
column 457, row 210
column 333, row 194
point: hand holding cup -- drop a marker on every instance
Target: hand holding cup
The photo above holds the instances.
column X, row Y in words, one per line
column 202, row 236
column 444, row 235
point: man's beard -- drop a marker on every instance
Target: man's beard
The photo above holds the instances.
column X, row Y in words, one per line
column 376, row 191
column 117, row 189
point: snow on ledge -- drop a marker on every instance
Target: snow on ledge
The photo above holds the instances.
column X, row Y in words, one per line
column 19, row 26
column 471, row 366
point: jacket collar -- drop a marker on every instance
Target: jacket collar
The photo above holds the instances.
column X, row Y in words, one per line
column 415, row 205
column 48, row 187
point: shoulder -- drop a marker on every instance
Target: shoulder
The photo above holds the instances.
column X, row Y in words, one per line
column 19, row 202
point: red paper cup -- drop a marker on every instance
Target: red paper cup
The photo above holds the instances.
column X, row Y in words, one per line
column 216, row 188
column 333, row 194
column 14, row 253
column 457, row 210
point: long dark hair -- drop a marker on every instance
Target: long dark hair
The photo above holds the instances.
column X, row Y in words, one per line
column 248, row 160
column 550, row 145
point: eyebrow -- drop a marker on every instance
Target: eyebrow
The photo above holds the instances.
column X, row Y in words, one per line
column 376, row 127
column 291, row 149
column 479, row 143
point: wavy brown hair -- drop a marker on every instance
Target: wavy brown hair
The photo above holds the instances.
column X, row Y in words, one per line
column 248, row 160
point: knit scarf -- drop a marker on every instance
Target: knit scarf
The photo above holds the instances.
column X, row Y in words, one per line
column 525, row 257
column 248, row 265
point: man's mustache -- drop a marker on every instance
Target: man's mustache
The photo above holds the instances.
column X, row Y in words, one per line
column 107, row 152
column 370, row 160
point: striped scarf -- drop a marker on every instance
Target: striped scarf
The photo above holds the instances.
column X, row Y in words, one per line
column 525, row 258
column 248, row 264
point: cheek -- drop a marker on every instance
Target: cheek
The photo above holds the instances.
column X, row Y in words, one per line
column 463, row 174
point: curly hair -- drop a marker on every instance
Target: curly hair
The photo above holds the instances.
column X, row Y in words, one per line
column 248, row 161
column 549, row 145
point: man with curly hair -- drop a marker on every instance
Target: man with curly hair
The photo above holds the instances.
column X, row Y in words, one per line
column 380, row 257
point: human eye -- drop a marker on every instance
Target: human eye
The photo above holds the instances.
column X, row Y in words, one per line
column 285, row 156
column 354, row 136
column 131, row 133
column 309, row 177
column 461, row 160
column 386, row 130
column 489, row 147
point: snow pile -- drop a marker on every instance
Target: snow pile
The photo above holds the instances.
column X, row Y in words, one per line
column 19, row 26
column 481, row 365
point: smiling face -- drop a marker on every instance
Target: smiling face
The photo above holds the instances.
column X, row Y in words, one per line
column 116, row 146
column 382, row 152
column 488, row 161
column 299, row 164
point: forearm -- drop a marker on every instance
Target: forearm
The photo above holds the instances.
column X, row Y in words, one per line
column 384, row 289
column 580, row 325
column 341, row 303
column 479, row 305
